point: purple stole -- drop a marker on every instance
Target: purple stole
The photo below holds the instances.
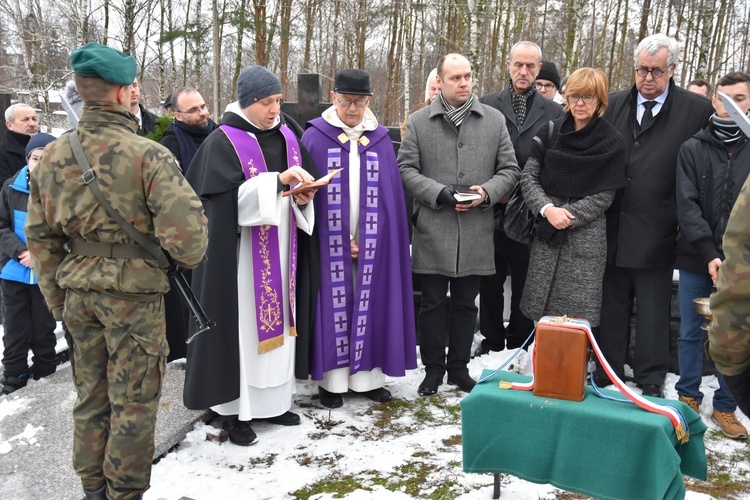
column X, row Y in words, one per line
column 344, row 296
column 267, row 279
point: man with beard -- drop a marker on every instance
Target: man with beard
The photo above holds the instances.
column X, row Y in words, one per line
column 22, row 124
column 244, row 369
column 191, row 126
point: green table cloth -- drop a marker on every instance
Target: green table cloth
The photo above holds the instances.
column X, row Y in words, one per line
column 596, row 447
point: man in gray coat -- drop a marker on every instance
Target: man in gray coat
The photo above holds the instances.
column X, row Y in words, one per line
column 456, row 142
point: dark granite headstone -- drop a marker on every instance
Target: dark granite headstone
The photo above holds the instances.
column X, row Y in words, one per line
column 4, row 104
column 308, row 105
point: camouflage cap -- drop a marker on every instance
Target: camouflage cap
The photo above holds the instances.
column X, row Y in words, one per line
column 95, row 59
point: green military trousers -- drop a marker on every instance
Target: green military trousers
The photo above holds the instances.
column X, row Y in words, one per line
column 118, row 355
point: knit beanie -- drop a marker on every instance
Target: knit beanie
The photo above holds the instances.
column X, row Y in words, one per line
column 549, row 72
column 38, row 141
column 256, row 83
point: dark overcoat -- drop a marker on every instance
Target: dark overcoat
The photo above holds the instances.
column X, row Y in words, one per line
column 642, row 220
column 540, row 111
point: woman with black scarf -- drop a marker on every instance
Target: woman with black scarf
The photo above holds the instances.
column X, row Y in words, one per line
column 570, row 180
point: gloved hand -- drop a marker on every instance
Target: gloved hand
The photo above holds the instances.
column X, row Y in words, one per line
column 548, row 233
column 446, row 197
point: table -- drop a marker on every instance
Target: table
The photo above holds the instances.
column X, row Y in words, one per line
column 596, row 447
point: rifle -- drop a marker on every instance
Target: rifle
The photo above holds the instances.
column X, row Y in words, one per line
column 177, row 278
column 145, row 248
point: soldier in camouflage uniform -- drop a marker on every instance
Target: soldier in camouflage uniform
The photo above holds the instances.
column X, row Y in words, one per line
column 729, row 333
column 112, row 306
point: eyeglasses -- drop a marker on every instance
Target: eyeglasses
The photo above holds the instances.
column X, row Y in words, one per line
column 574, row 98
column 347, row 103
column 655, row 73
column 193, row 110
column 545, row 86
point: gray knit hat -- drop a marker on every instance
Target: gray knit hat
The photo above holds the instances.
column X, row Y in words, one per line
column 256, row 83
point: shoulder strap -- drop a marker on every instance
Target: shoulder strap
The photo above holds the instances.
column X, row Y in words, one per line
column 549, row 138
column 89, row 178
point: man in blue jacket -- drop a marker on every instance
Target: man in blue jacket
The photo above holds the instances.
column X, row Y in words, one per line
column 28, row 321
column 712, row 166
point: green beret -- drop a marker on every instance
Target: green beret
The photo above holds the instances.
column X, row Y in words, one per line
column 105, row 62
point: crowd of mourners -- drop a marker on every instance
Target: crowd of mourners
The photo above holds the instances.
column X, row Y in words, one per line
column 298, row 242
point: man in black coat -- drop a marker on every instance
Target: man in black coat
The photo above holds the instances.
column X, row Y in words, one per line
column 525, row 110
column 654, row 117
column 192, row 124
column 22, row 124
column 146, row 119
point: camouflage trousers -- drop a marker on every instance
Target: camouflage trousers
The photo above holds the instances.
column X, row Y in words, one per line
column 118, row 355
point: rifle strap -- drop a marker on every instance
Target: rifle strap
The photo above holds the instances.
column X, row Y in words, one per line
column 89, row 178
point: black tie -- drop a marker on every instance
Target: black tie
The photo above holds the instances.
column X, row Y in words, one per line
column 648, row 116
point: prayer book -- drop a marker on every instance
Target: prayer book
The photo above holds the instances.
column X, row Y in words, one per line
column 465, row 195
column 307, row 186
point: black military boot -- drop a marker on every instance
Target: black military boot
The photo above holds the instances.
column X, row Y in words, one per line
column 98, row 494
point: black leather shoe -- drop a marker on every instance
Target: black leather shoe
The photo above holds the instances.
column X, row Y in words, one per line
column 240, row 432
column 462, row 380
column 430, row 384
column 379, row 395
column 288, row 418
column 330, row 399
column 652, row 390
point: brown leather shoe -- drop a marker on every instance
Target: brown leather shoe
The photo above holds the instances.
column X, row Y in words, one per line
column 729, row 424
column 692, row 403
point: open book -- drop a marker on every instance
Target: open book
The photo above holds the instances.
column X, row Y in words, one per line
column 465, row 195
column 307, row 186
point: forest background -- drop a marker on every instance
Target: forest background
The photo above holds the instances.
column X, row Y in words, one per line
column 205, row 44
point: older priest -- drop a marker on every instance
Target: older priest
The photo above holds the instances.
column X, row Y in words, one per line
column 244, row 368
column 364, row 322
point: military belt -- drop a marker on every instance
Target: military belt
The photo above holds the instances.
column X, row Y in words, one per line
column 111, row 250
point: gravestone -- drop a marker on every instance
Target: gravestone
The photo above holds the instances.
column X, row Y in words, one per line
column 308, row 105
column 4, row 104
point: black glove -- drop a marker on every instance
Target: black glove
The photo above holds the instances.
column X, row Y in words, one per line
column 548, row 233
column 446, row 197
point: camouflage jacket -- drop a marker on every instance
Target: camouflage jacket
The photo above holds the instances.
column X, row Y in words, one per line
column 729, row 333
column 142, row 183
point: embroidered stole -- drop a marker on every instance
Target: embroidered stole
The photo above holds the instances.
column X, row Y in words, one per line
column 267, row 279
column 346, row 299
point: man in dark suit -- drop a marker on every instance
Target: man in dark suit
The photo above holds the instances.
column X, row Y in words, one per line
column 654, row 117
column 525, row 110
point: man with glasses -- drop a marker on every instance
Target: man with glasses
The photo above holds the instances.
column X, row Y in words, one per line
column 183, row 137
column 525, row 111
column 456, row 140
column 192, row 124
column 654, row 117
column 364, row 319
column 548, row 82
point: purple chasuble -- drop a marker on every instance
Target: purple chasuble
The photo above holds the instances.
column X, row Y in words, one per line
column 370, row 324
column 267, row 280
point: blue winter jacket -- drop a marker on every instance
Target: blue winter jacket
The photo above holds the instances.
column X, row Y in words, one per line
column 13, row 200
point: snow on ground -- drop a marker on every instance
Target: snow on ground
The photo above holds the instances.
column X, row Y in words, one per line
column 416, row 452
column 423, row 444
